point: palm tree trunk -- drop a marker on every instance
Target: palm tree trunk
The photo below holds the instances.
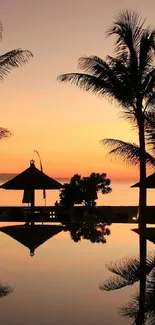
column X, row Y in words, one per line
column 140, row 320
column 142, row 212
column 142, row 190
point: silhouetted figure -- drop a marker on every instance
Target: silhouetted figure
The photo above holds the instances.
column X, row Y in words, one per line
column 56, row 204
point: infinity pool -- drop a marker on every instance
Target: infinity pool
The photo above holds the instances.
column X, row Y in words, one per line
column 59, row 282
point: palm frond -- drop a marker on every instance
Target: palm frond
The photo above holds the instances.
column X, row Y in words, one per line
column 130, row 310
column 1, row 30
column 146, row 52
column 93, row 65
column 147, row 86
column 127, row 272
column 113, row 72
column 100, row 86
column 126, row 23
column 150, row 101
column 13, row 59
column 128, row 29
column 128, row 152
column 150, row 128
column 113, row 283
column 85, row 81
column 151, row 283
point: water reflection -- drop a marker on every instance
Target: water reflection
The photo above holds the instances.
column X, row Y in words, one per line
column 127, row 272
column 5, row 290
column 32, row 236
column 142, row 312
column 94, row 232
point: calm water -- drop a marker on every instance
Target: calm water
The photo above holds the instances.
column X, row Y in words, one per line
column 60, row 283
column 56, row 272
column 121, row 194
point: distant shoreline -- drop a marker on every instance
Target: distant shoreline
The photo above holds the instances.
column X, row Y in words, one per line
column 8, row 176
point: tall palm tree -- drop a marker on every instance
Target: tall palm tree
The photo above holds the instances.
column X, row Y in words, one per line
column 129, row 79
column 12, row 59
column 147, row 311
column 127, row 272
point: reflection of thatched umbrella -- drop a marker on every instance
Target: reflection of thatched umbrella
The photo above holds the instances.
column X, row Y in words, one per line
column 32, row 237
column 31, row 179
column 149, row 234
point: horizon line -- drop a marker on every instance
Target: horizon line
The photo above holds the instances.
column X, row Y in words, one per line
column 9, row 174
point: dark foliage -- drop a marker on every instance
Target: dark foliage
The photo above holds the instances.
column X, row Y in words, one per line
column 127, row 272
column 84, row 190
column 12, row 59
column 93, row 232
column 129, row 76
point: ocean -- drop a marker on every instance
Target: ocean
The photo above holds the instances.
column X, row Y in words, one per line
column 122, row 194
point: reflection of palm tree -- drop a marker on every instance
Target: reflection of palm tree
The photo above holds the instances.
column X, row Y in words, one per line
column 127, row 271
column 131, row 309
column 5, row 290
column 91, row 231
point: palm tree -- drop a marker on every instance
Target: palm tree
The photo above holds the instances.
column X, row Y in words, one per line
column 129, row 79
column 147, row 311
column 130, row 152
column 12, row 59
column 127, row 151
column 127, row 272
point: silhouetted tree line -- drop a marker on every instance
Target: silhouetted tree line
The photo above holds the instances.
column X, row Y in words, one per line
column 84, row 190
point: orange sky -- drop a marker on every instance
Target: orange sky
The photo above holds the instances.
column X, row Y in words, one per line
column 62, row 122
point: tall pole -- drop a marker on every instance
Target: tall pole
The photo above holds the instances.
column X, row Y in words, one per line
column 41, row 168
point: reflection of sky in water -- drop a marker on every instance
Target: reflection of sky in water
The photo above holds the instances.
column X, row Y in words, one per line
column 60, row 284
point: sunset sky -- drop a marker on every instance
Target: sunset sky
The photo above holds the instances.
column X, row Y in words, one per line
column 62, row 122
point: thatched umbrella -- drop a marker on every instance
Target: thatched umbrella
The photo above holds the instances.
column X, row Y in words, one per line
column 32, row 179
column 149, row 182
column 32, row 237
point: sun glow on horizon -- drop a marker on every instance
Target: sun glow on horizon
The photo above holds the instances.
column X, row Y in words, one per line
column 62, row 122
